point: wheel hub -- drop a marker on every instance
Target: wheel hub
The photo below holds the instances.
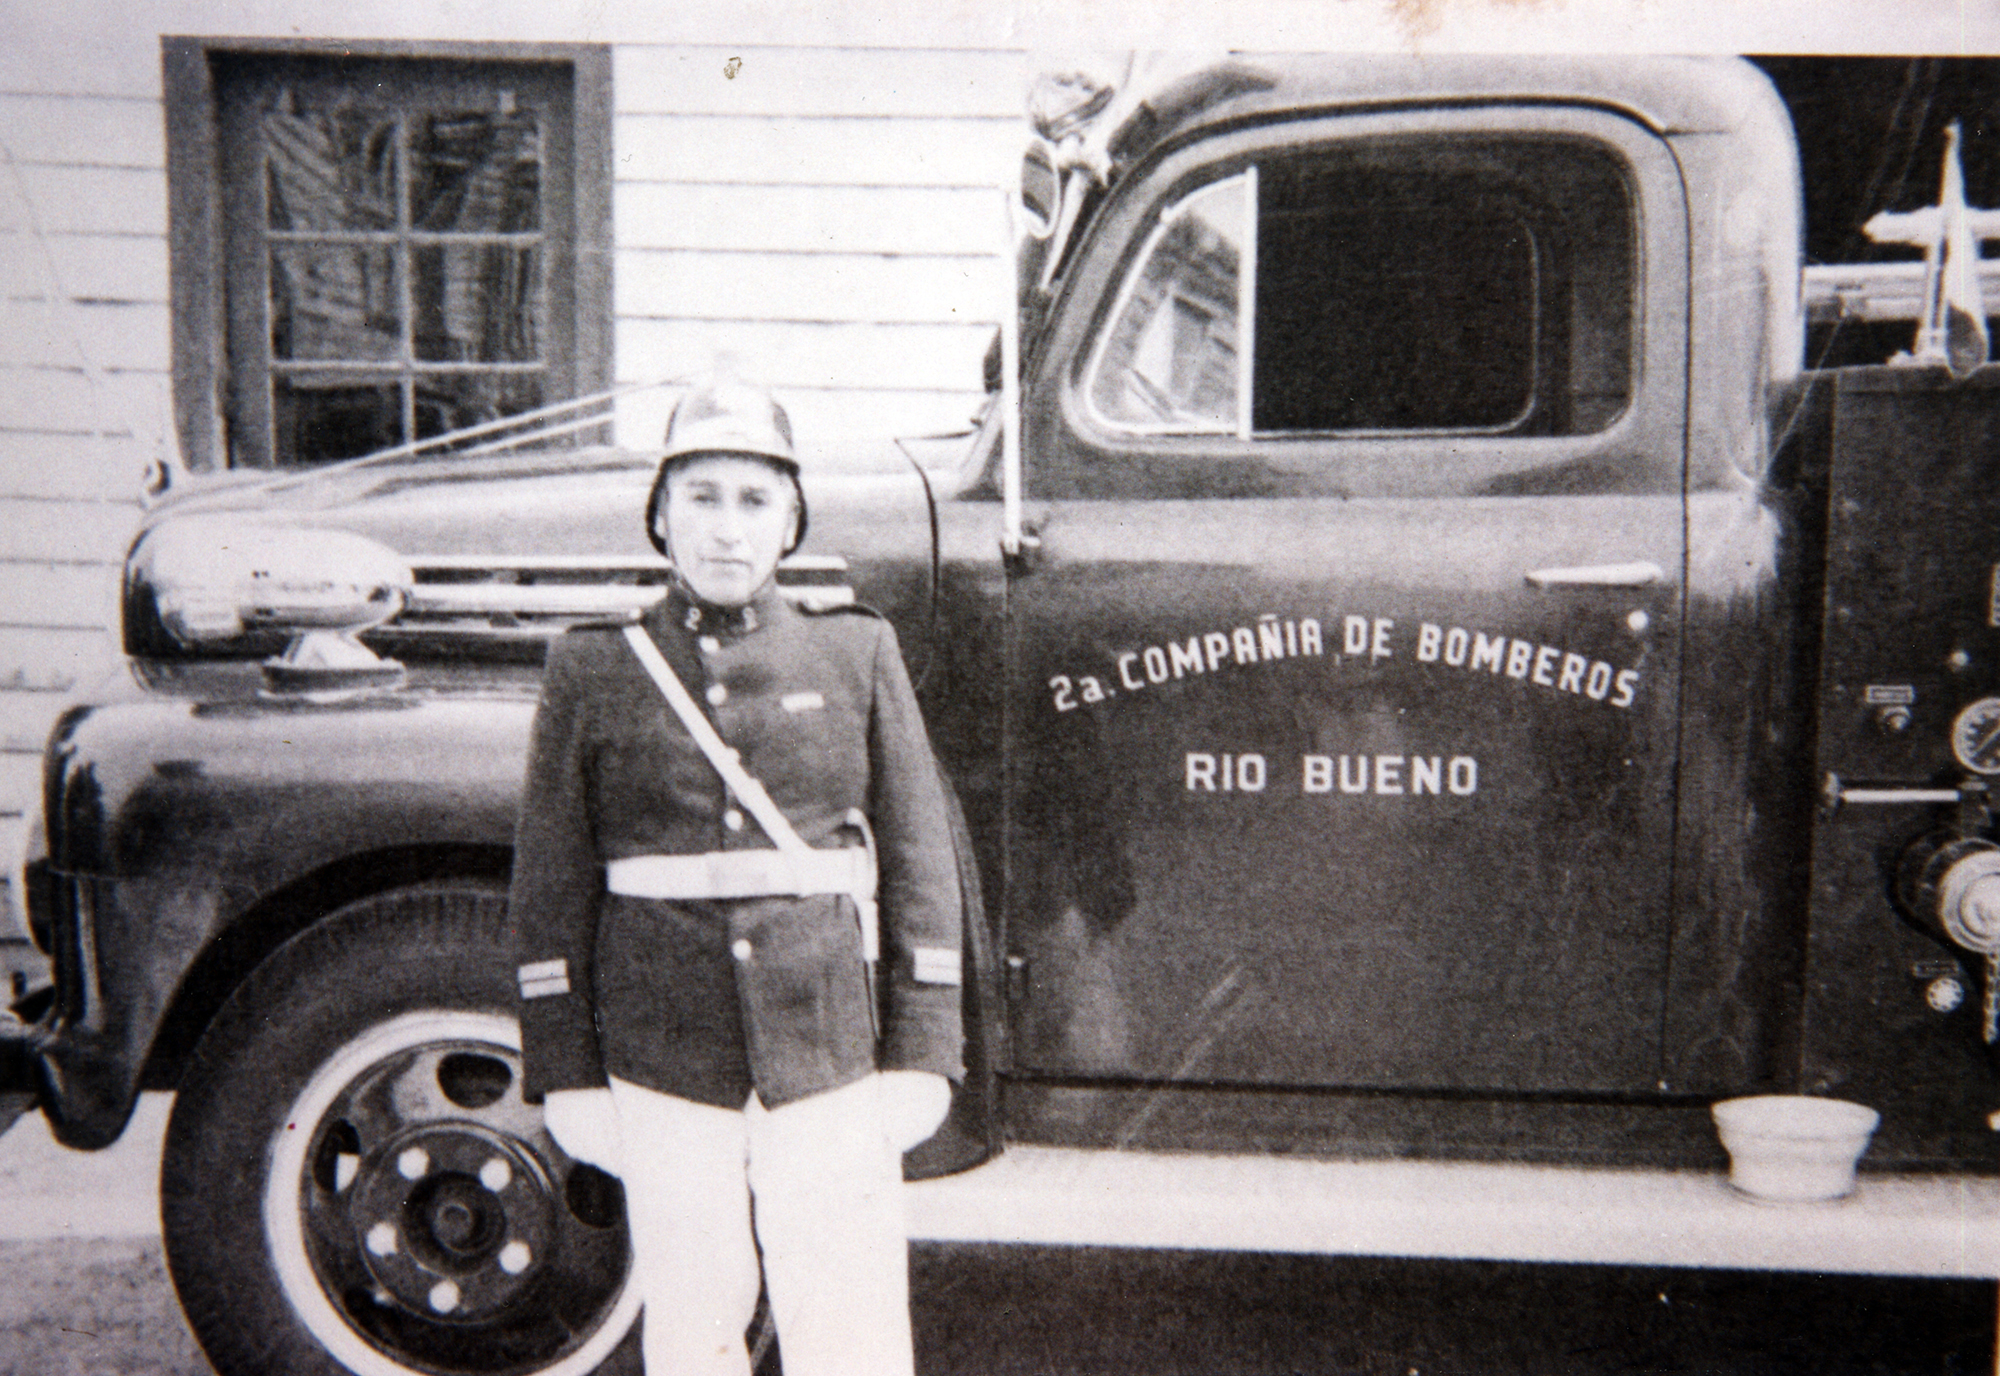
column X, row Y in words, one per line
column 421, row 1220
column 452, row 1219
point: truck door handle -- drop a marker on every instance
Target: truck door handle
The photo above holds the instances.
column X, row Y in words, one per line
column 1640, row 573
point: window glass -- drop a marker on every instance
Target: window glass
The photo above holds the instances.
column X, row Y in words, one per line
column 401, row 234
column 1393, row 316
column 1406, row 285
column 330, row 169
column 476, row 170
column 1170, row 360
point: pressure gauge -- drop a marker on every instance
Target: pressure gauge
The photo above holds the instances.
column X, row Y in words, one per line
column 1975, row 736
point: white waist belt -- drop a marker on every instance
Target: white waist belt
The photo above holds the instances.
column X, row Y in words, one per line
column 743, row 874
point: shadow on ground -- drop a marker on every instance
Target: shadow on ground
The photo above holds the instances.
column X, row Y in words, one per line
column 91, row 1308
column 1026, row 1311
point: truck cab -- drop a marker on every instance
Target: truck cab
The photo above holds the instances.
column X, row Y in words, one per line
column 1347, row 659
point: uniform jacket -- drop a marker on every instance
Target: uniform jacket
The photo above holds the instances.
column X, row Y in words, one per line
column 708, row 999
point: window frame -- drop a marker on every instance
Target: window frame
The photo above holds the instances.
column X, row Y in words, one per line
column 197, row 234
column 1079, row 456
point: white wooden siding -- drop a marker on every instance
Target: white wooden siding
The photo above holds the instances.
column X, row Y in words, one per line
column 83, row 130
column 685, row 79
column 760, row 215
column 52, row 597
column 747, row 149
column 80, row 56
column 78, row 467
column 96, row 200
column 91, row 268
column 825, row 218
column 902, row 221
column 124, row 336
column 83, row 382
column 912, row 356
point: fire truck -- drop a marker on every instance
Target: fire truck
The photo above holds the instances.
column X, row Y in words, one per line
column 1437, row 696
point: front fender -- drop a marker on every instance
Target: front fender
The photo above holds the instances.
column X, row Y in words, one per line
column 173, row 817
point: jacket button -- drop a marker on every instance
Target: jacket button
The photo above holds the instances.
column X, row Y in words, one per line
column 710, row 644
column 717, row 694
column 741, row 950
column 733, row 819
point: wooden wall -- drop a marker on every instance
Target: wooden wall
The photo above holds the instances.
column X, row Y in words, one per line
column 826, row 216
column 831, row 216
column 83, row 377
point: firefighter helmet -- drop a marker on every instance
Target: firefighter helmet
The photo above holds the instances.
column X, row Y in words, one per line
column 732, row 418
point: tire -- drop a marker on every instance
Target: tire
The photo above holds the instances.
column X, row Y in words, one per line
column 352, row 1182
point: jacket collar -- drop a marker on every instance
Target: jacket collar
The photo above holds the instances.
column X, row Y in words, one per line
column 683, row 610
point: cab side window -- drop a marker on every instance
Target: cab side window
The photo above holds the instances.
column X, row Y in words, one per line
column 1385, row 287
column 1171, row 361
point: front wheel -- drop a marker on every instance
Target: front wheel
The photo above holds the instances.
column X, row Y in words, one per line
column 352, row 1181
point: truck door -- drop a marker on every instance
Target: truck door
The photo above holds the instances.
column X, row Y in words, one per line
column 1344, row 676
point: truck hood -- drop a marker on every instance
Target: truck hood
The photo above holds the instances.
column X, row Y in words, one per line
column 544, row 503
column 455, row 555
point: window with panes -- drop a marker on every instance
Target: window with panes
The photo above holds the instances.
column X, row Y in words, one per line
column 401, row 241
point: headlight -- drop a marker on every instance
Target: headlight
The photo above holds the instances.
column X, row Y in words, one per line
column 216, row 578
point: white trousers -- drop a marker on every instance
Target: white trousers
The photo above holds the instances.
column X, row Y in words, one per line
column 815, row 1183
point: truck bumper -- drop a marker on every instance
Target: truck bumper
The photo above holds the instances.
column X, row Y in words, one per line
column 20, row 1070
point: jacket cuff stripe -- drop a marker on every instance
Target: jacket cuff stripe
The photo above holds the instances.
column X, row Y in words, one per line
column 544, row 978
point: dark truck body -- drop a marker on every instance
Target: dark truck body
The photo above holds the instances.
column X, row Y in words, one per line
column 1460, row 769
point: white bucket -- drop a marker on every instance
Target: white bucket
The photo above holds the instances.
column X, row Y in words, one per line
column 1791, row 1148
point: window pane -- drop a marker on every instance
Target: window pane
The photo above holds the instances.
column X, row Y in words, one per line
column 452, row 401
column 334, row 301
column 1481, row 284
column 329, row 168
column 324, row 416
column 1392, row 318
column 473, row 171
column 480, row 303
column 1169, row 363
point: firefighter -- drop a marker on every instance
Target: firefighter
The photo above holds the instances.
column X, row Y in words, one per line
column 698, row 923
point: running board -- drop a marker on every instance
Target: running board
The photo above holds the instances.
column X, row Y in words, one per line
column 1892, row 1225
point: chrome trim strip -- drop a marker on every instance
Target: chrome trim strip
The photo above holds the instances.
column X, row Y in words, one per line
column 1899, row 795
column 600, row 563
column 573, row 599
